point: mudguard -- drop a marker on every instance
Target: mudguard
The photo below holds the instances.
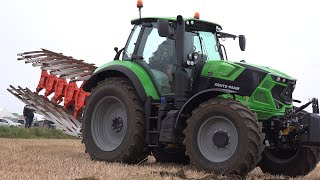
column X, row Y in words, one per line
column 200, row 97
column 138, row 79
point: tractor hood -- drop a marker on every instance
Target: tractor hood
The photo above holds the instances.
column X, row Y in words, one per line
column 240, row 77
column 267, row 69
column 231, row 70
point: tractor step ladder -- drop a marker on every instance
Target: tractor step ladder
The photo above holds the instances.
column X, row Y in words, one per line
column 152, row 123
column 154, row 134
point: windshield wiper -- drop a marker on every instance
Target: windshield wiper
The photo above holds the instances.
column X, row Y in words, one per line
column 203, row 48
column 202, row 45
column 224, row 50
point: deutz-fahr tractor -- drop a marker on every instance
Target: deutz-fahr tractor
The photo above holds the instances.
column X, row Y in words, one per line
column 172, row 93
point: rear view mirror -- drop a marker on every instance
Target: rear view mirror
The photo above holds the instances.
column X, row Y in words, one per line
column 242, row 42
column 164, row 29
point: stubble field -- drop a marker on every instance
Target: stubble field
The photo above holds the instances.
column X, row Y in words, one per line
column 65, row 159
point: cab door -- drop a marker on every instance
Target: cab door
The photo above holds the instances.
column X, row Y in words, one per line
column 157, row 56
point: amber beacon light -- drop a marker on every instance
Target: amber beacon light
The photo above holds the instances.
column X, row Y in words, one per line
column 197, row 15
column 139, row 5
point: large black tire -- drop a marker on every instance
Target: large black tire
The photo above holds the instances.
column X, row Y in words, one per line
column 239, row 157
column 294, row 163
column 282, row 162
column 114, row 123
column 172, row 155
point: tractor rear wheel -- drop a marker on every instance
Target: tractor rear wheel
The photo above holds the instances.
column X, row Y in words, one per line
column 223, row 136
column 292, row 163
column 172, row 155
column 113, row 123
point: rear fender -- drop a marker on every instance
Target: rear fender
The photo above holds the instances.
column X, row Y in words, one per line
column 142, row 83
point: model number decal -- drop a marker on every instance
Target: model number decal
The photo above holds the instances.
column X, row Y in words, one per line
column 225, row 86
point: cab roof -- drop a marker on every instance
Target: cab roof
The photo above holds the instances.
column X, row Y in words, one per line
column 173, row 19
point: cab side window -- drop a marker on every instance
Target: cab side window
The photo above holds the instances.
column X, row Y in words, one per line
column 129, row 49
column 159, row 55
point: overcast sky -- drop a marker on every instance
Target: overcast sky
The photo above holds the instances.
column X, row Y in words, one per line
column 284, row 35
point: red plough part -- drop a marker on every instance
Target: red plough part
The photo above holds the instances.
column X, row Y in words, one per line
column 58, row 79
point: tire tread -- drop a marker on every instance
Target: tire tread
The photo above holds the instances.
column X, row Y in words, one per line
column 135, row 153
column 254, row 128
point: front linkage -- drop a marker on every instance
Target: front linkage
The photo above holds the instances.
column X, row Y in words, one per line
column 308, row 126
column 297, row 127
column 294, row 113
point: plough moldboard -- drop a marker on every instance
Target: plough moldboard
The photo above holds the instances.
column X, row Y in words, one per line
column 62, row 101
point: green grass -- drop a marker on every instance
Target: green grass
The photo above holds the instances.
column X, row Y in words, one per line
column 33, row 133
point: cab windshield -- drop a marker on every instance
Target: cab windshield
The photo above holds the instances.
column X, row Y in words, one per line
column 204, row 43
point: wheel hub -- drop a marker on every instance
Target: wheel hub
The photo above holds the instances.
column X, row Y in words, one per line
column 109, row 123
column 220, row 139
column 117, row 124
column 217, row 139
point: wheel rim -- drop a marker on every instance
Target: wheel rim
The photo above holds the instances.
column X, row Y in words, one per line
column 217, row 139
column 109, row 123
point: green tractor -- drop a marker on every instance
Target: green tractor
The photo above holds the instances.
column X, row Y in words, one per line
column 172, row 93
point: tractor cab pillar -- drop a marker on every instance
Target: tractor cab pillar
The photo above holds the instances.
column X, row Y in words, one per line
column 182, row 80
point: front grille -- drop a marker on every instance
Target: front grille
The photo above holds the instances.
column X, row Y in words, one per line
column 283, row 94
column 261, row 97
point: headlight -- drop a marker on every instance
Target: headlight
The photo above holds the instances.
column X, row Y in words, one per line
column 280, row 79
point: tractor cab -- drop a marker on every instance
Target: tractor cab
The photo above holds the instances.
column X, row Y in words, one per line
column 156, row 52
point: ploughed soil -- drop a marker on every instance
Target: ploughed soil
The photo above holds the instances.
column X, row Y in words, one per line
column 65, row 159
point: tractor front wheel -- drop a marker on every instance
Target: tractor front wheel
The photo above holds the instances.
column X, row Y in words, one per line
column 292, row 163
column 114, row 124
column 223, row 136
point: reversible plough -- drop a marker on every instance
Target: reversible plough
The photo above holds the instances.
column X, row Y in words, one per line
column 57, row 96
